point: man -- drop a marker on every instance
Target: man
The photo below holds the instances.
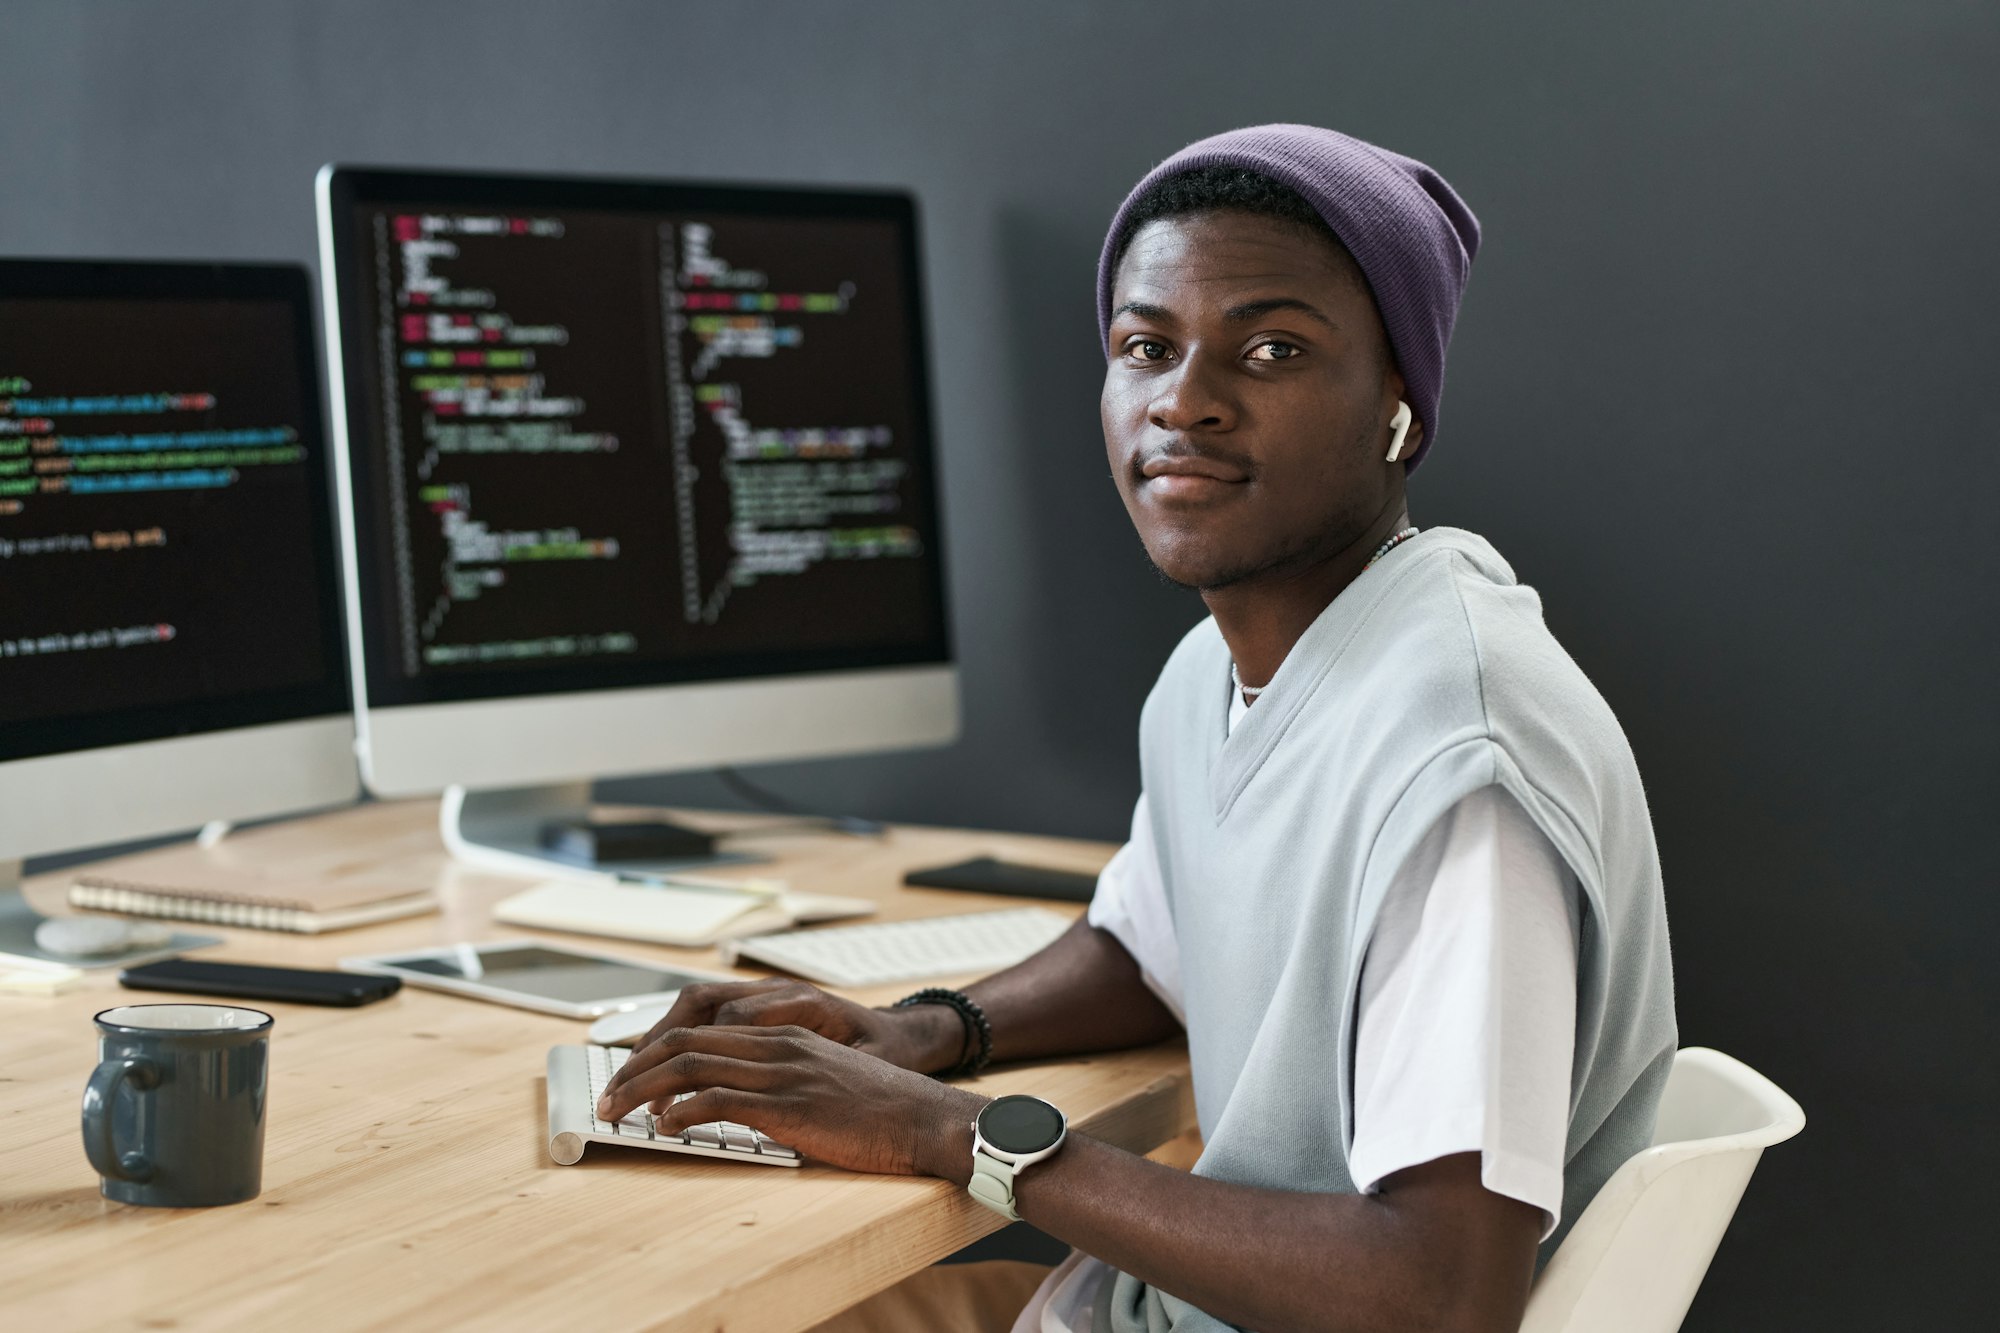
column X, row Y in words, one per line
column 1392, row 867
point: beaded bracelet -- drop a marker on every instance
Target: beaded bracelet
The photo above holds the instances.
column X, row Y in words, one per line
column 976, row 1028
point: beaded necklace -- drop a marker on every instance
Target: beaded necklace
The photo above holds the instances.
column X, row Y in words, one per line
column 1395, row 539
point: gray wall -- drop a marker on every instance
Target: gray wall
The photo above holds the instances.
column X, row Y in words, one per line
column 1722, row 391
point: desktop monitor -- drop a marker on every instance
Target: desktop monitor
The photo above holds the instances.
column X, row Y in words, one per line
column 635, row 476
column 170, row 638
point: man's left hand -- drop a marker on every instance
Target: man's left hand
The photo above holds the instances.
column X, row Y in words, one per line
column 829, row 1101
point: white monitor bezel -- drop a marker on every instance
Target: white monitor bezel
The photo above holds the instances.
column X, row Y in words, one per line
column 419, row 749
column 120, row 793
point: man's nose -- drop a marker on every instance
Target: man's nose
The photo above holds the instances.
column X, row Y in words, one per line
column 1190, row 398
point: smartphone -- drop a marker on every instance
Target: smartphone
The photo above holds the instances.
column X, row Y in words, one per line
column 985, row 874
column 241, row 981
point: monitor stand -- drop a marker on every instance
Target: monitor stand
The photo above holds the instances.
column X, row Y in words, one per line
column 17, row 933
column 501, row 830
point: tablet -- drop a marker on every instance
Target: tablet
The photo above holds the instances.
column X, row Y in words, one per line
column 528, row 974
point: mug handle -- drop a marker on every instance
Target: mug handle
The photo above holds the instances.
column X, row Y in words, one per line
column 105, row 1158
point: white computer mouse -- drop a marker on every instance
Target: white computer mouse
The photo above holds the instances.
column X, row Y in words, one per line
column 92, row 936
column 625, row 1029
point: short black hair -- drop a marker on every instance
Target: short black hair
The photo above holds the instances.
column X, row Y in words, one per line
column 1217, row 189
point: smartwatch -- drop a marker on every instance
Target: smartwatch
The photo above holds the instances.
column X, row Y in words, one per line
column 1011, row 1134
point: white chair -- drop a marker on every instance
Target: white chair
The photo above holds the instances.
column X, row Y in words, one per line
column 1632, row 1262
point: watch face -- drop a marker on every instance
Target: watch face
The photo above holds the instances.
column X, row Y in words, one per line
column 1020, row 1124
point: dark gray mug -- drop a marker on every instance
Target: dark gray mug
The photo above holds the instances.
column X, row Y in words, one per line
column 173, row 1116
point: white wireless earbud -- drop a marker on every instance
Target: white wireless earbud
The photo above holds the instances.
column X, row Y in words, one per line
column 1400, row 423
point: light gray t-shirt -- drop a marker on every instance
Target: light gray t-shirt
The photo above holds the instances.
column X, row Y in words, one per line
column 1431, row 677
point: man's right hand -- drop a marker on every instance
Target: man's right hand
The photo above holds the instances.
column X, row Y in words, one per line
column 923, row 1037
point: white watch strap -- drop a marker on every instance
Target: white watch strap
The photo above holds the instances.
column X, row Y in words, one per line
column 992, row 1184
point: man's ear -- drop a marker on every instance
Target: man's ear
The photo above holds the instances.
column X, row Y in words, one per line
column 1415, row 437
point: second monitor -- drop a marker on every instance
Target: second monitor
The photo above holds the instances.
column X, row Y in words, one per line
column 636, row 476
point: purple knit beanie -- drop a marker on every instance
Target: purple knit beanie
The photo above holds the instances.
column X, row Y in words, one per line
column 1412, row 235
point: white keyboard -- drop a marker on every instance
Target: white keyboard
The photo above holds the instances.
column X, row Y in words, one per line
column 886, row 951
column 577, row 1074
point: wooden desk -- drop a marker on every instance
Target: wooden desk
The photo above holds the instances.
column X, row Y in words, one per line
column 407, row 1180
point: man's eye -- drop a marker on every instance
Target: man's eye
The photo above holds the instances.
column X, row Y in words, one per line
column 1273, row 351
column 1145, row 349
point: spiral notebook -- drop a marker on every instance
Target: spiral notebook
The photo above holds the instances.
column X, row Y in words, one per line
column 219, row 886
